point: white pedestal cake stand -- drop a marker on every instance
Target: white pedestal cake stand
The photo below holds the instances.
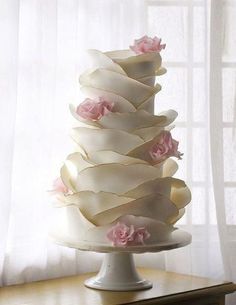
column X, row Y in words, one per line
column 118, row 272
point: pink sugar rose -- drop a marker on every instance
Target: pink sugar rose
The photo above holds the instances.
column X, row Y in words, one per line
column 59, row 186
column 166, row 147
column 147, row 44
column 140, row 235
column 120, row 234
column 92, row 110
column 105, row 106
column 123, row 235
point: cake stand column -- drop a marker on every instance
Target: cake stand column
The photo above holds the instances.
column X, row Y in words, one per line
column 118, row 273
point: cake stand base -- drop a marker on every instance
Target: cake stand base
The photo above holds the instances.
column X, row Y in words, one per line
column 118, row 273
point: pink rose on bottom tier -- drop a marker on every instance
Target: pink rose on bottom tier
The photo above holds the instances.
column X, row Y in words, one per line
column 122, row 235
column 165, row 147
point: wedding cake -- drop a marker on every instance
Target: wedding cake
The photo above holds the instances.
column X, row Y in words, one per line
column 117, row 188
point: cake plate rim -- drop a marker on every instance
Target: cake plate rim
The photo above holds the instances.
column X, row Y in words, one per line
column 178, row 238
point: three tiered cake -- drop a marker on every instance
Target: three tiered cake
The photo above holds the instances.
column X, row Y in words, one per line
column 117, row 188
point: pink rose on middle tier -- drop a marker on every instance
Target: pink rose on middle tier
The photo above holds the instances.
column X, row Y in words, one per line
column 165, row 147
column 92, row 110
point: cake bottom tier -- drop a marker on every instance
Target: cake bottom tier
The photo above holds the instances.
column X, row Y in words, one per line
column 70, row 225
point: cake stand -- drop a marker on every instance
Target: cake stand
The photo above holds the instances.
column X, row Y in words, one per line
column 118, row 272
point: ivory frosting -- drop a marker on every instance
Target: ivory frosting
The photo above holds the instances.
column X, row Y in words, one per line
column 111, row 177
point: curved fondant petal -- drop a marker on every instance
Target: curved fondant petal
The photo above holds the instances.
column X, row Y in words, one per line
column 72, row 166
column 101, row 60
column 91, row 204
column 169, row 167
column 155, row 206
column 174, row 219
column 161, row 71
column 108, row 156
column 78, row 161
column 105, row 139
column 175, row 189
column 66, row 174
column 120, row 103
column 170, row 115
column 120, row 54
column 180, row 195
column 140, row 66
column 148, row 133
column 115, row 178
column 128, row 88
column 131, row 121
column 159, row 185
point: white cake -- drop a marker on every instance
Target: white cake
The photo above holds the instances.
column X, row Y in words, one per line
column 117, row 189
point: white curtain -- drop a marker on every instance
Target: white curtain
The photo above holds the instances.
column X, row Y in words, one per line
column 42, row 53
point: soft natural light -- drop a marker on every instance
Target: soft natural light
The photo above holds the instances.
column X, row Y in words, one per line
column 42, row 56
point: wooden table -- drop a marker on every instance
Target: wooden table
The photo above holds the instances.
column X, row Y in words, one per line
column 168, row 288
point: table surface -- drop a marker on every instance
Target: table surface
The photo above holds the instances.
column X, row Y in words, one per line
column 71, row 291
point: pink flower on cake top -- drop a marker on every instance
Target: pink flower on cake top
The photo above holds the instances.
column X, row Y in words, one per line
column 92, row 110
column 164, row 148
column 147, row 44
column 123, row 235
